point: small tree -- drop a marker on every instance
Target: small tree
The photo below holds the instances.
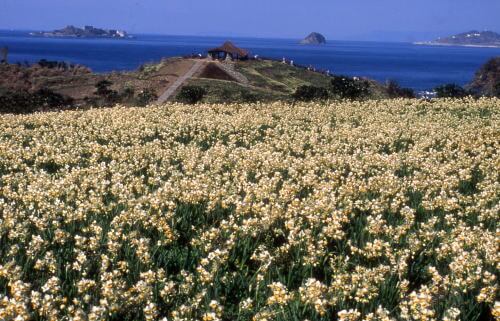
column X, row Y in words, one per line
column 310, row 93
column 450, row 91
column 108, row 95
column 4, row 52
column 191, row 94
column 394, row 90
column 102, row 88
column 345, row 87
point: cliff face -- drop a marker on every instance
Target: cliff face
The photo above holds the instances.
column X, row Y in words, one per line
column 487, row 79
column 314, row 39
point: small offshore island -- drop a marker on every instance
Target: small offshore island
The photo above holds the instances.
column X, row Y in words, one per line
column 314, row 38
column 85, row 32
column 468, row 39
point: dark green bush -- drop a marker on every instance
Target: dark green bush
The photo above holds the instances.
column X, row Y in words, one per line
column 450, row 91
column 18, row 102
column 127, row 94
column 394, row 90
column 248, row 97
column 310, row 93
column 102, row 88
column 496, row 89
column 191, row 94
column 345, row 87
column 47, row 98
column 107, row 95
column 145, row 97
column 54, row 64
column 23, row 102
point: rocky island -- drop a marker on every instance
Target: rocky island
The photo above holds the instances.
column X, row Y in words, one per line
column 470, row 39
column 314, row 39
column 86, row 32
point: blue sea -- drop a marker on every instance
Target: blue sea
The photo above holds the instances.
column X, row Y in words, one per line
column 418, row 67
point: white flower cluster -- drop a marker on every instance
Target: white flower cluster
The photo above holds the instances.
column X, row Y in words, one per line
column 377, row 210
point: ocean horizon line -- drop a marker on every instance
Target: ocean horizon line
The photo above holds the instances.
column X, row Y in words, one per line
column 298, row 39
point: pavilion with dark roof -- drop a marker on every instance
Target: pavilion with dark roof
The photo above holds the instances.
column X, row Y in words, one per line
column 228, row 51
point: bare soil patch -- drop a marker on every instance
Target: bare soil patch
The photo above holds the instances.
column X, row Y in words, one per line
column 212, row 71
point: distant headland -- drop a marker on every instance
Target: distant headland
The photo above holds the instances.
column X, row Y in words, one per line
column 468, row 39
column 85, row 32
column 314, row 38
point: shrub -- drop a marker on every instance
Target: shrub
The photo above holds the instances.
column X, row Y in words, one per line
column 450, row 91
column 47, row 98
column 310, row 93
column 127, row 94
column 18, row 102
column 496, row 91
column 191, row 94
column 345, row 87
column 102, row 88
column 225, row 95
column 91, row 101
column 394, row 90
column 248, row 97
column 22, row 102
column 145, row 97
column 108, row 96
column 486, row 82
column 44, row 63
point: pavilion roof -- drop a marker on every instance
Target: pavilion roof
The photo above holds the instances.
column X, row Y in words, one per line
column 229, row 47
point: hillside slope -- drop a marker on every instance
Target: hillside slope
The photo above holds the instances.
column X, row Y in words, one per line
column 241, row 81
column 486, row 82
column 268, row 80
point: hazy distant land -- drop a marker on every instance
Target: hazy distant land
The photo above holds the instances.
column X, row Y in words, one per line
column 484, row 39
column 85, row 32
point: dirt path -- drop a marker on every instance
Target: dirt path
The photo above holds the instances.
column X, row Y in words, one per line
column 171, row 90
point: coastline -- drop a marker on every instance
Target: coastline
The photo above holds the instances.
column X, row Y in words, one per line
column 423, row 43
column 104, row 55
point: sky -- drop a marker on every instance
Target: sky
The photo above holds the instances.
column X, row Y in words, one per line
column 376, row 20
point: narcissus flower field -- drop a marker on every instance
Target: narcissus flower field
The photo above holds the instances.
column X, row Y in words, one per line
column 378, row 210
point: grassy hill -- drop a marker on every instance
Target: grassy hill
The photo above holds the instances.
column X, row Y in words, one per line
column 268, row 80
column 80, row 83
column 280, row 77
column 241, row 81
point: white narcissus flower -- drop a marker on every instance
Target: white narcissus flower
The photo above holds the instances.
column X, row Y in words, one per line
column 179, row 212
